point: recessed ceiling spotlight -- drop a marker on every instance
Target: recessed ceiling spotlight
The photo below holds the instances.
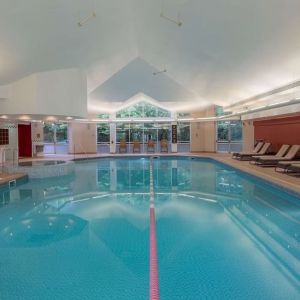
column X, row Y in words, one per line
column 50, row 118
column 24, row 118
column 69, row 118
column 4, row 117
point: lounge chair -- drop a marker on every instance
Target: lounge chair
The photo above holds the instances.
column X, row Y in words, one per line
column 163, row 146
column 272, row 161
column 294, row 168
column 151, row 146
column 136, row 146
column 248, row 156
column 259, row 145
column 123, row 146
column 281, row 152
column 282, row 166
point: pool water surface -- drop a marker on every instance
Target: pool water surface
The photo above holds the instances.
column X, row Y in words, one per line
column 220, row 234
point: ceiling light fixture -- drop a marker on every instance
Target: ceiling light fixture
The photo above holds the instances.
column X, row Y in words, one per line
column 163, row 16
column 177, row 22
column 84, row 21
column 159, row 72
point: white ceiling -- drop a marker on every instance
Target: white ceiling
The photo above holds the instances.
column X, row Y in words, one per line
column 225, row 51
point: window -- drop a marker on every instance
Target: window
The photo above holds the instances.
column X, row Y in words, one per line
column 4, row 137
column 122, row 130
column 56, row 133
column 229, row 131
column 143, row 110
column 183, row 115
column 223, row 130
column 62, row 133
column 183, row 132
column 49, row 133
column 103, row 134
column 150, row 132
column 164, row 131
column 136, row 132
column 103, row 116
column 236, row 130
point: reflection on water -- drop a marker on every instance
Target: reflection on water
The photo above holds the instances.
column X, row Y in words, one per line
column 40, row 230
column 105, row 205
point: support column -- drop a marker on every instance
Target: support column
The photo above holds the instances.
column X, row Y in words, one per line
column 248, row 135
column 113, row 136
column 113, row 176
column 82, row 138
column 174, row 137
column 37, row 137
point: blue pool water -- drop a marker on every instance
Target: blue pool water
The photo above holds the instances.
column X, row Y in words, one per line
column 221, row 234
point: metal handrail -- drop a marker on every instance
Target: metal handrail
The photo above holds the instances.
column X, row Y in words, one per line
column 15, row 155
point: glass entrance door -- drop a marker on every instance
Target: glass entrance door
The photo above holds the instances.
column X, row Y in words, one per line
column 229, row 136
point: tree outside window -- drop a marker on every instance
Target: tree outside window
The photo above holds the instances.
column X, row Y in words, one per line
column 103, row 133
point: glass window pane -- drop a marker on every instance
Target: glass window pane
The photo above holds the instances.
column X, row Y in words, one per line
column 62, row 133
column 143, row 109
column 150, row 132
column 164, row 131
column 150, row 110
column 136, row 132
column 49, row 133
column 124, row 113
column 137, row 110
column 223, row 130
column 183, row 115
column 103, row 116
column 122, row 131
column 103, row 133
column 236, row 130
column 163, row 113
column 183, row 132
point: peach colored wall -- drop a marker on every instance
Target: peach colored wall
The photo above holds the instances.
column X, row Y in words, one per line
column 82, row 138
column 248, row 136
column 278, row 131
column 203, row 134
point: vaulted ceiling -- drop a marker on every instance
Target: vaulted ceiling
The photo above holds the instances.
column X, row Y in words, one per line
column 225, row 50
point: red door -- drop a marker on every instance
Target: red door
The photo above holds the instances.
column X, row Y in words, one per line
column 24, row 138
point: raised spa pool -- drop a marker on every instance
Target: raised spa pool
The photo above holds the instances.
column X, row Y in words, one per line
column 219, row 234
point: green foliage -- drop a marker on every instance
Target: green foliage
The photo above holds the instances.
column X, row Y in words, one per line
column 183, row 132
column 143, row 110
column 229, row 130
column 56, row 132
column 103, row 133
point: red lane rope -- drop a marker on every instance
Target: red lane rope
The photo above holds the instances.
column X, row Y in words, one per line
column 154, row 289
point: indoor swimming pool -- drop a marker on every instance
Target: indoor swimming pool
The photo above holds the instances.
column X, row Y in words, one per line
column 219, row 234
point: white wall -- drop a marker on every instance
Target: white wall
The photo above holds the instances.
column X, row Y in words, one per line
column 59, row 92
column 5, row 91
column 62, row 92
column 289, row 109
column 82, row 138
column 22, row 99
column 37, row 132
